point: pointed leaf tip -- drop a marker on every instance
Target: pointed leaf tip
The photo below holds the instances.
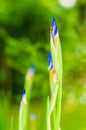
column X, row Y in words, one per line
column 50, row 63
column 54, row 27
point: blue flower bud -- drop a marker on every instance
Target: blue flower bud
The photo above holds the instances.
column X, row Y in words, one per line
column 54, row 27
column 32, row 68
column 24, row 92
column 50, row 63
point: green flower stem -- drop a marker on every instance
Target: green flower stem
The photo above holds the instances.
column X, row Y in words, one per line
column 57, row 63
column 22, row 116
column 11, row 126
column 48, row 116
column 53, row 100
column 24, row 120
column 59, row 98
column 28, row 86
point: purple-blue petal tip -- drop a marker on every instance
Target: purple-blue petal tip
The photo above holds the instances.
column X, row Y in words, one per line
column 24, row 92
column 32, row 68
column 50, row 63
column 54, row 27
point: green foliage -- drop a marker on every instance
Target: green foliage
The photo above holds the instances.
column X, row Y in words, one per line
column 24, row 39
column 24, row 35
column 4, row 106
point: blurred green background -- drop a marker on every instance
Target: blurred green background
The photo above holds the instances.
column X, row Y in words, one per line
column 24, row 40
